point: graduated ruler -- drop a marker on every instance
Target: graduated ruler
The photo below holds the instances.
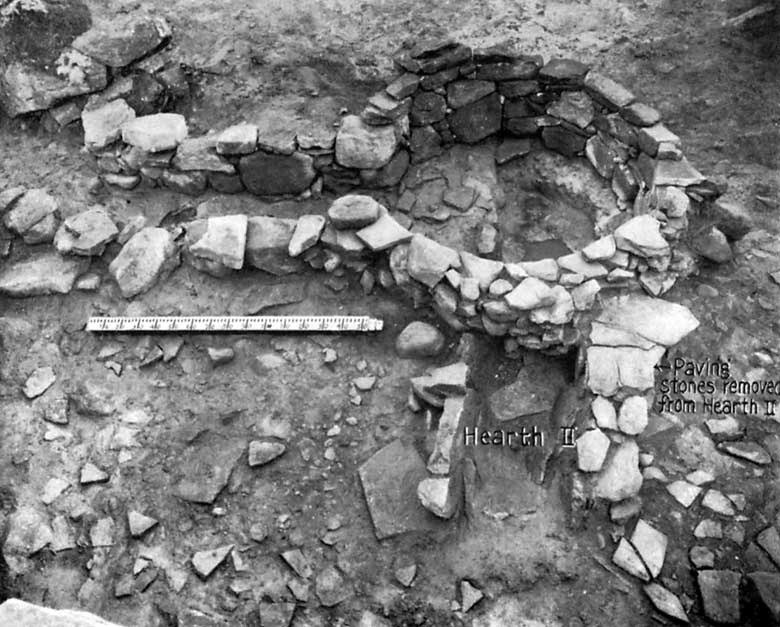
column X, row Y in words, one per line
column 235, row 324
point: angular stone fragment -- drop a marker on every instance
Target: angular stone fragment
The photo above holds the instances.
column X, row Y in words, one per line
column 196, row 154
column 469, row 596
column 266, row 174
column 446, row 446
column 720, row 595
column 708, row 528
column 632, row 418
column 147, row 255
column 206, row 562
column 585, row 295
column 40, row 380
column 30, row 211
column 641, row 235
column 40, row 274
column 156, row 132
column 86, row 233
column 103, row 125
column 262, row 452
column 574, row 107
column 383, row 234
column 464, row 92
column 403, row 86
column 361, row 146
column 620, row 477
column 438, row 496
column 240, row 139
column 718, row 503
column 102, row 533
column 684, row 492
column 641, row 114
column 666, row 602
column 606, row 91
column 659, row 321
column 307, row 233
column 267, row 244
column 626, row 557
column 651, row 545
column 604, row 412
column 222, row 241
column 769, row 540
column 592, row 447
column 330, row 587
column 564, row 139
column 611, row 369
column 576, row 262
column 559, row 312
column 353, row 211
column 206, row 469
column 600, row 249
column 139, row 523
column 567, row 71
column 544, row 269
column 530, row 294
column 389, row 479
column 767, row 588
column 476, row 121
column 123, row 39
column 749, row 451
column 428, row 260
column 712, row 244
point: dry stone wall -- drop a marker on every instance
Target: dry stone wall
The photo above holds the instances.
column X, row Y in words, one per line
column 446, row 93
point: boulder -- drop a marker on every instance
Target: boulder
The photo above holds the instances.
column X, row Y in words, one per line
column 103, row 125
column 86, row 233
column 22, row 614
column 26, row 88
column 147, row 256
column 240, row 139
column 156, row 132
column 123, row 39
column 267, row 243
column 266, row 174
column 41, row 274
column 361, row 146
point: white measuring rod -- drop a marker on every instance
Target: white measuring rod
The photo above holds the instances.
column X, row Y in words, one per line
column 235, row 324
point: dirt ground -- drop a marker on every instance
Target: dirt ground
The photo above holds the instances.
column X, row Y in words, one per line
column 717, row 88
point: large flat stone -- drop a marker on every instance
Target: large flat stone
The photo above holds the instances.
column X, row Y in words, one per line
column 86, row 233
column 200, row 154
column 156, row 132
column 620, row 477
column 123, row 39
column 276, row 175
column 206, row 467
column 654, row 319
column 18, row 613
column 103, row 125
column 428, row 260
column 641, row 235
column 476, row 121
column 223, row 241
column 612, row 369
column 720, row 595
column 30, row 213
column 41, row 274
column 529, row 394
column 390, row 478
column 384, row 233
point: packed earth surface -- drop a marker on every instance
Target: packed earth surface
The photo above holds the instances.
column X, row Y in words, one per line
column 316, row 479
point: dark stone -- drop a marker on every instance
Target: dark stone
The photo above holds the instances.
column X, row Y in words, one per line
column 518, row 89
column 191, row 183
column 499, row 53
column 445, row 132
column 566, row 71
column 512, row 149
column 383, row 109
column 451, row 56
column 427, row 108
column 528, row 127
column 403, row 86
column 206, row 468
column 431, row 47
column 339, row 179
column 478, row 120
column 276, row 175
column 425, row 143
column 518, row 109
column 624, row 183
column 225, row 183
column 521, row 69
column 462, row 93
column 607, row 92
column 712, row 244
column 731, row 217
column 440, row 79
column 720, row 595
column 388, row 175
column 563, row 140
column 267, row 242
column 617, row 127
column 765, row 588
column 389, row 479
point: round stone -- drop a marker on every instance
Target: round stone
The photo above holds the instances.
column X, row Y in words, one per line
column 419, row 339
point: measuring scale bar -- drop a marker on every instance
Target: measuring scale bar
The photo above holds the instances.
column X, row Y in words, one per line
column 196, row 324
